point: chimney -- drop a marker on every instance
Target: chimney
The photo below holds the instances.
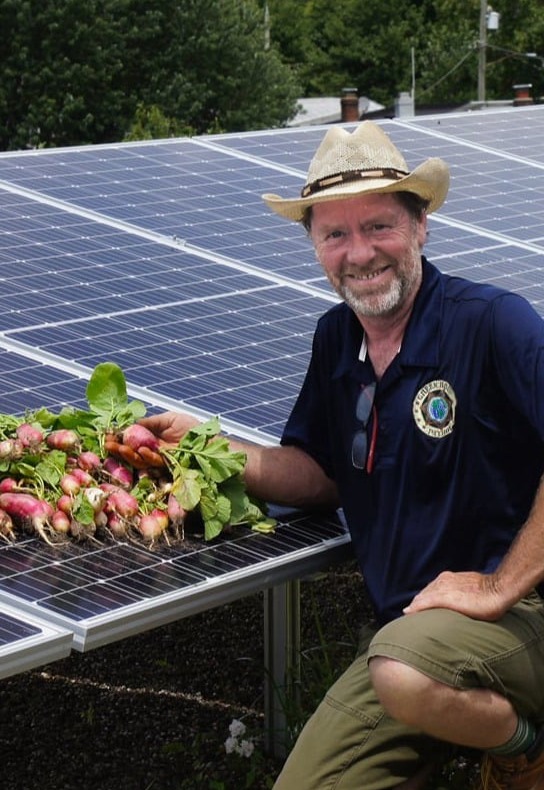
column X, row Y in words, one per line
column 522, row 95
column 350, row 105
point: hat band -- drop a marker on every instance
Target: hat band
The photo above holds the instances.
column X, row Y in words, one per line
column 351, row 175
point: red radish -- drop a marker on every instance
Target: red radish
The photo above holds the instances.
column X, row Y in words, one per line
column 136, row 436
column 108, row 488
column 122, row 503
column 63, row 439
column 70, row 484
column 28, row 511
column 65, row 503
column 88, row 461
column 8, row 484
column 117, row 526
column 118, row 472
column 152, row 525
column 176, row 513
column 29, row 435
column 83, row 477
column 60, row 522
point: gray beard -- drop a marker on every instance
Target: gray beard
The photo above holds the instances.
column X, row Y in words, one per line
column 383, row 304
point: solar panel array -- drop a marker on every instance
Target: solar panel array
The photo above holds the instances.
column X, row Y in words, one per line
column 162, row 257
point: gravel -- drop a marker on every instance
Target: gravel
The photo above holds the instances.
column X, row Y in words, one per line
column 152, row 712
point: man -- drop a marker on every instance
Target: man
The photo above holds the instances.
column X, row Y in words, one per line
column 422, row 415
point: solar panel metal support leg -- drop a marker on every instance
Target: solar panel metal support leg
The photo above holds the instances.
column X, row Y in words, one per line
column 282, row 661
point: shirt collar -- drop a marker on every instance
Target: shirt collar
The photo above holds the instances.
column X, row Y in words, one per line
column 422, row 336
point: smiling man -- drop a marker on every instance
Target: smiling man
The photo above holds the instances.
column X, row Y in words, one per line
column 422, row 416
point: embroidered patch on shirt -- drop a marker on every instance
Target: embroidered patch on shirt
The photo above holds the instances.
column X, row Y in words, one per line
column 434, row 408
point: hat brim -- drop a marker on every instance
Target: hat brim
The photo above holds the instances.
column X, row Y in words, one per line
column 430, row 181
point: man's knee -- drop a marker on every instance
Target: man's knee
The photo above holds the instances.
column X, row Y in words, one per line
column 399, row 687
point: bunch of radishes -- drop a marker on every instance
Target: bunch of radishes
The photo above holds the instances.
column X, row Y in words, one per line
column 56, row 489
column 95, row 474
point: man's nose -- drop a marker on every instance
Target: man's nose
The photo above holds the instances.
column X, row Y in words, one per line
column 360, row 248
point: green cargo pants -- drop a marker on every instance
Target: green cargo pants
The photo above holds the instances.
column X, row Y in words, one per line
column 351, row 744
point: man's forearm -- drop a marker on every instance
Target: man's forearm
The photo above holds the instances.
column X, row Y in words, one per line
column 286, row 476
column 523, row 566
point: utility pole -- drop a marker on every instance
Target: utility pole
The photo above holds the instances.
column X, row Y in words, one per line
column 482, row 46
column 266, row 26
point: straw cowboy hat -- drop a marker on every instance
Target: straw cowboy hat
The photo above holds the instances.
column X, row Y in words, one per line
column 365, row 161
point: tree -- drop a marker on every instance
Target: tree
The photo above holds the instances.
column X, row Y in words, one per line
column 368, row 44
column 92, row 71
column 59, row 72
column 206, row 65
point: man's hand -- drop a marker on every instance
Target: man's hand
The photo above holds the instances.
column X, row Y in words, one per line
column 169, row 426
column 473, row 594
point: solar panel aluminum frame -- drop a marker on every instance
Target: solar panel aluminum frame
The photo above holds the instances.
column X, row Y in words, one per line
column 48, row 643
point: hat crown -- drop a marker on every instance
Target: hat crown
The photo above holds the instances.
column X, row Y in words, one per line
column 367, row 148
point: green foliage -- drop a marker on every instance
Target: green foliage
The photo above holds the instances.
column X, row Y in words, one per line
column 368, row 44
column 96, row 71
column 208, row 474
column 150, row 123
column 108, row 399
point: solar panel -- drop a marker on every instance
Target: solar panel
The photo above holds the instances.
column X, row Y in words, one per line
column 162, row 257
column 108, row 592
column 27, row 642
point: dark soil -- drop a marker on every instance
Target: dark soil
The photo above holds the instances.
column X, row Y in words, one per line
column 152, row 712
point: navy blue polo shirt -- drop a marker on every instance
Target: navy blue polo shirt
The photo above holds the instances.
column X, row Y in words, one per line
column 460, row 433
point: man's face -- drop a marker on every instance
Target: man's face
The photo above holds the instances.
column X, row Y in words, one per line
column 370, row 249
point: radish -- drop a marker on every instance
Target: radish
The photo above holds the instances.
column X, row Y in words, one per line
column 118, row 472
column 122, row 503
column 117, row 526
column 9, row 485
column 100, row 519
column 96, row 497
column 28, row 511
column 176, row 513
column 152, row 525
column 70, row 484
column 60, row 522
column 65, row 503
column 6, row 449
column 136, row 436
column 83, row 477
column 63, row 439
column 88, row 461
column 81, row 531
column 29, row 435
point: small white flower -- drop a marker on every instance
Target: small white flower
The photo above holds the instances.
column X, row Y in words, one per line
column 246, row 748
column 237, row 728
column 231, row 745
